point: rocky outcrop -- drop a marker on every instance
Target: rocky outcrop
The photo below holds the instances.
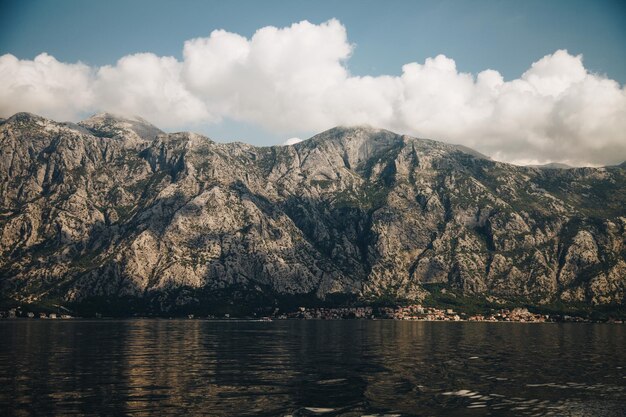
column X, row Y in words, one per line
column 113, row 207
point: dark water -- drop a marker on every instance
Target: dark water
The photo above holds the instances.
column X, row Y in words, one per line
column 351, row 368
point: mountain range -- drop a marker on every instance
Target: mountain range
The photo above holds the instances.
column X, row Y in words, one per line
column 113, row 214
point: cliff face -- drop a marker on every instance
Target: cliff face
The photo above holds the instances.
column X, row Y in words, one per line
column 114, row 207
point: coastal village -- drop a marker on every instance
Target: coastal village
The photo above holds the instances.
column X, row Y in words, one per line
column 415, row 312
column 19, row 313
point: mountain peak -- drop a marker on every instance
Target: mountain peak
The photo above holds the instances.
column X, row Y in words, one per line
column 357, row 133
column 26, row 120
column 363, row 129
column 24, row 116
column 111, row 125
column 115, row 117
column 551, row 165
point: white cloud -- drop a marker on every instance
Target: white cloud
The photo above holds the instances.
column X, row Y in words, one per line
column 295, row 80
column 272, row 79
column 44, row 86
column 151, row 87
column 291, row 141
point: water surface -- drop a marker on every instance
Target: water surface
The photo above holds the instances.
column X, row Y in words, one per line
column 346, row 368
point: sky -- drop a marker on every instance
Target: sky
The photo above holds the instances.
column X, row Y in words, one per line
column 521, row 81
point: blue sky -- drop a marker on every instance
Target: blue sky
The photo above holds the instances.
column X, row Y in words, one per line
column 480, row 34
column 507, row 36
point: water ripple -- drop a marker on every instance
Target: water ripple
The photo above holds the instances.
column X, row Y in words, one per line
column 305, row 368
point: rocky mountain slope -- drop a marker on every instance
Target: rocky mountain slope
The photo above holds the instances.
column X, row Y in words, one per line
column 114, row 209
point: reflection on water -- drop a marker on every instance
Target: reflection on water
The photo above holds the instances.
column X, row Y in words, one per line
column 351, row 368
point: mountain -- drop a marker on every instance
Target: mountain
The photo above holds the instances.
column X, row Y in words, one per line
column 113, row 213
column 552, row 165
column 132, row 131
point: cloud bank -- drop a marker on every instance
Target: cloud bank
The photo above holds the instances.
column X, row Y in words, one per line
column 295, row 80
column 291, row 141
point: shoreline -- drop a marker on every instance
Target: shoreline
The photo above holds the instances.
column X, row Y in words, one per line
column 414, row 312
column 257, row 320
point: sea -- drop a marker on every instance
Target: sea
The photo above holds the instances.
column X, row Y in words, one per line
column 182, row 367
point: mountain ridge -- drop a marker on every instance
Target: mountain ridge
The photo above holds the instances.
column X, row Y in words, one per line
column 116, row 210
